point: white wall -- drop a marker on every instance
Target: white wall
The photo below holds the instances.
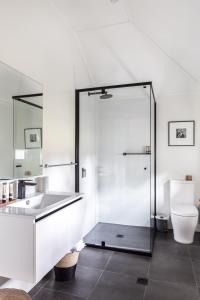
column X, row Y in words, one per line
column 176, row 162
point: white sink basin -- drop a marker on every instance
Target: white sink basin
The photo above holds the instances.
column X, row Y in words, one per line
column 40, row 201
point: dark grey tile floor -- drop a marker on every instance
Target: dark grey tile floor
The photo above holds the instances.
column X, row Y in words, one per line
column 173, row 274
column 124, row 236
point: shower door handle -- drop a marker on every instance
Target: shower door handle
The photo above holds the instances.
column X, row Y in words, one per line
column 145, row 168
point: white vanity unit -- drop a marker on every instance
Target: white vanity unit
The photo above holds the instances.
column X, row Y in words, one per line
column 37, row 232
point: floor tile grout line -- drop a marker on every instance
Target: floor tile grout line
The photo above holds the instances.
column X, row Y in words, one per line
column 33, row 296
column 145, row 291
column 149, row 266
column 193, row 259
column 193, row 271
column 40, row 287
column 172, row 282
column 121, row 273
column 100, row 275
column 109, row 259
column 90, row 267
column 188, row 250
column 95, row 285
column 148, row 272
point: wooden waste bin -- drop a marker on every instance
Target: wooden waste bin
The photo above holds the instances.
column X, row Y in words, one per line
column 66, row 268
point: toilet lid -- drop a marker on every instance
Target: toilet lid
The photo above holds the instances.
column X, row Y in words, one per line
column 184, row 210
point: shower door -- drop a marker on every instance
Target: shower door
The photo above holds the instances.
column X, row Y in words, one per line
column 115, row 167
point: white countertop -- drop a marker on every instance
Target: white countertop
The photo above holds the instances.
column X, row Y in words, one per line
column 34, row 213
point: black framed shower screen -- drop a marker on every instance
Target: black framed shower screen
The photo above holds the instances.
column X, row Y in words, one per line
column 152, row 129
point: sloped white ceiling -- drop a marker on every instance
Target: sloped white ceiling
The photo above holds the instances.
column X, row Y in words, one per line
column 136, row 40
column 91, row 14
column 13, row 83
column 174, row 25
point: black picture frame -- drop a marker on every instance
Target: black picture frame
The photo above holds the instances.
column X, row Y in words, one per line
column 25, row 138
column 181, row 145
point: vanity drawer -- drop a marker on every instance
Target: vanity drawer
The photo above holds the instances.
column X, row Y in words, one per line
column 30, row 249
column 55, row 235
column 17, row 248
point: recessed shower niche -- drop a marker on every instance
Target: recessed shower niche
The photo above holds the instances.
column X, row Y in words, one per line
column 116, row 159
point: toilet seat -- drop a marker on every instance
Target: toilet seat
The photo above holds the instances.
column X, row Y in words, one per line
column 184, row 210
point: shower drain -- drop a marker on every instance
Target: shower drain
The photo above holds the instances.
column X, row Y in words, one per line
column 119, row 235
column 142, row 280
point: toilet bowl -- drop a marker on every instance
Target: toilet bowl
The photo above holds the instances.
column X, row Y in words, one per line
column 184, row 214
column 184, row 221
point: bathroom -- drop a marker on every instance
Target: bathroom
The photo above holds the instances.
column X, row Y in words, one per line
column 65, row 46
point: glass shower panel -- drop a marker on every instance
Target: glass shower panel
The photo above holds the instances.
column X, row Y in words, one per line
column 115, row 167
column 123, row 169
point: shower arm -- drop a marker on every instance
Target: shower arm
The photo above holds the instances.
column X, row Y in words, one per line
column 94, row 93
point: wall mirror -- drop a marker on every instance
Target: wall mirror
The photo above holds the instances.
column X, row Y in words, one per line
column 21, row 118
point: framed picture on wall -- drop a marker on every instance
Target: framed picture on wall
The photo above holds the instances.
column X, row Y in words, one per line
column 181, row 133
column 33, row 138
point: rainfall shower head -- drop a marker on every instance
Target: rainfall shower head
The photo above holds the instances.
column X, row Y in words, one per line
column 103, row 94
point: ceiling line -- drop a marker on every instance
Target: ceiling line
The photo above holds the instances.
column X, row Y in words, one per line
column 118, row 58
column 83, row 57
column 163, row 51
column 100, row 27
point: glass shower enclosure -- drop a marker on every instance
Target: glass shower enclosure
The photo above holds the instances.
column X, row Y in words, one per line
column 116, row 165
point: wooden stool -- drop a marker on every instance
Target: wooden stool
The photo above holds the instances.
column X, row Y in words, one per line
column 13, row 294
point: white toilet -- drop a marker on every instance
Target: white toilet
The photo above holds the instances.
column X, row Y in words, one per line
column 184, row 214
